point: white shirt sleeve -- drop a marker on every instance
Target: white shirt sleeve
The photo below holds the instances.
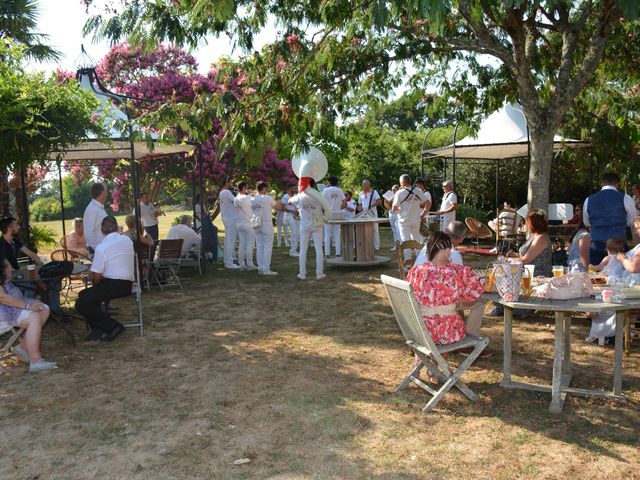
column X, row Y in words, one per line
column 585, row 213
column 97, row 265
column 453, row 199
column 630, row 207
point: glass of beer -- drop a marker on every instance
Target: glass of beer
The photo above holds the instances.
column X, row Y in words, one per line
column 557, row 270
column 489, row 278
column 31, row 271
column 526, row 282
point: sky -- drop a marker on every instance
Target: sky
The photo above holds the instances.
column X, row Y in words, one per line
column 63, row 20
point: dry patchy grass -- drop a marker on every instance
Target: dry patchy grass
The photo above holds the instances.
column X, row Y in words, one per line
column 298, row 377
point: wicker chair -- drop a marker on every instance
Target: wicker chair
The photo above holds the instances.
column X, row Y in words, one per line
column 477, row 230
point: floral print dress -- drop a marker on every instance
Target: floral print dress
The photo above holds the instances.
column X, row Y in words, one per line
column 438, row 286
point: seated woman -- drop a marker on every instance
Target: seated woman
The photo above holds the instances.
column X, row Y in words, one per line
column 26, row 313
column 75, row 240
column 535, row 251
column 440, row 287
column 130, row 232
column 579, row 249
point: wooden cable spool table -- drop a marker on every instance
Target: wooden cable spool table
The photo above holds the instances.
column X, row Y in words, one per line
column 356, row 235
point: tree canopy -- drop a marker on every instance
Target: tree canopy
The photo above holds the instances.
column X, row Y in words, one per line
column 18, row 21
column 332, row 57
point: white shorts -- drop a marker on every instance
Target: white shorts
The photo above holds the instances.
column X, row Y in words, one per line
column 23, row 314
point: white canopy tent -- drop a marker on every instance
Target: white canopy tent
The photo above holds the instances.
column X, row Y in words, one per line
column 503, row 135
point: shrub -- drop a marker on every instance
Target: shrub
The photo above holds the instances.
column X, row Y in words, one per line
column 44, row 209
column 465, row 211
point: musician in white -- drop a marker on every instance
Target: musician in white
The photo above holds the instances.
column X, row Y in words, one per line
column 291, row 219
column 369, row 200
column 393, row 220
column 311, row 222
column 350, row 205
column 246, row 233
column 408, row 203
column 336, row 200
column 448, row 207
column 229, row 215
column 263, row 206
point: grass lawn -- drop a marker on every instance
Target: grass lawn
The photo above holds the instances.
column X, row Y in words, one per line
column 298, row 378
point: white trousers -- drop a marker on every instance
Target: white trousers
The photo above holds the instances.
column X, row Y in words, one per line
column 394, row 230
column 264, row 246
column 247, row 240
column 230, row 236
column 409, row 231
column 331, row 232
column 282, row 230
column 294, row 227
column 306, row 233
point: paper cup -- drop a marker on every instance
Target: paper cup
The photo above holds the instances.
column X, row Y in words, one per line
column 607, row 295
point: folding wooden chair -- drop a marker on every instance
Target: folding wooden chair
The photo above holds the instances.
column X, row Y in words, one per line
column 165, row 267
column 14, row 334
column 405, row 264
column 408, row 314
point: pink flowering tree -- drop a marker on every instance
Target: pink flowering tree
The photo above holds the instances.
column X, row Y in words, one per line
column 169, row 76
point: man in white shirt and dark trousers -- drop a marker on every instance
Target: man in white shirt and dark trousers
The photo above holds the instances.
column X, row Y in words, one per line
column 229, row 215
column 369, row 200
column 112, row 277
column 336, row 200
column 149, row 214
column 93, row 215
column 184, row 230
column 408, row 203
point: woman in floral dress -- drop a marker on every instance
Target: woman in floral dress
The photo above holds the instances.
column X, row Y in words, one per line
column 440, row 287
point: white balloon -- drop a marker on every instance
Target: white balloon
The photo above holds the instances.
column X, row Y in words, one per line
column 312, row 164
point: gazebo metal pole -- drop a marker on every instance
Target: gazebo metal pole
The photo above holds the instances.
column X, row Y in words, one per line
column 202, row 210
column 455, row 138
column 25, row 205
column 193, row 195
column 497, row 166
column 64, row 228
column 134, row 173
column 424, row 142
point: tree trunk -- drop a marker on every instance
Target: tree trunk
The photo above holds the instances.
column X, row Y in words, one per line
column 540, row 167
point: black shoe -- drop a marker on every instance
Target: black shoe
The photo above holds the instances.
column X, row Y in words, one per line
column 117, row 330
column 610, row 340
column 94, row 335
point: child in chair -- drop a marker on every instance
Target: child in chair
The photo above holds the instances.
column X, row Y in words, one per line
column 610, row 265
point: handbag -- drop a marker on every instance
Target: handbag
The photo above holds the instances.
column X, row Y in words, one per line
column 55, row 269
column 508, row 277
column 256, row 218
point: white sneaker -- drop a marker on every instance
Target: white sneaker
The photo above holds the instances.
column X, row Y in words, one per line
column 294, row 254
column 591, row 339
column 320, row 277
column 42, row 365
column 23, row 354
column 251, row 267
column 233, row 266
column 392, row 249
column 302, row 277
column 269, row 272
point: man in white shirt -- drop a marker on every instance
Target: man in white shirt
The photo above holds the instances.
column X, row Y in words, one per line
column 369, row 200
column 184, row 230
column 246, row 234
column 112, row 273
column 448, row 207
column 229, row 215
column 457, row 232
column 292, row 219
column 408, row 203
column 149, row 214
column 336, row 200
column 93, row 215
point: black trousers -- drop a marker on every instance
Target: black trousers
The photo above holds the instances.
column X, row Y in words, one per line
column 89, row 303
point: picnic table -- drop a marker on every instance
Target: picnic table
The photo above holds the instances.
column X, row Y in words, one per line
column 562, row 374
column 356, row 236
